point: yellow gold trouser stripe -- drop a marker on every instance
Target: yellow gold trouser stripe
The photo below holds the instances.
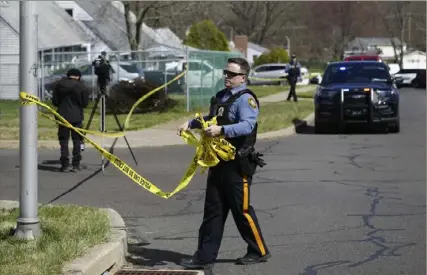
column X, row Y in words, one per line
column 249, row 218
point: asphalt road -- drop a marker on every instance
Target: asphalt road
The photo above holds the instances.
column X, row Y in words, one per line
column 327, row 204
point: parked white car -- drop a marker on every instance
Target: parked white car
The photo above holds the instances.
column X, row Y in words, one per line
column 261, row 74
column 201, row 73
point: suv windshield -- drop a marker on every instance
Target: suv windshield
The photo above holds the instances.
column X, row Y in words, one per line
column 130, row 68
column 356, row 73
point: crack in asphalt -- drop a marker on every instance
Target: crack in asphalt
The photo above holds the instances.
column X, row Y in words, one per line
column 385, row 248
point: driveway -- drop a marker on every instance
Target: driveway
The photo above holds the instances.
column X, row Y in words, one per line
column 327, row 204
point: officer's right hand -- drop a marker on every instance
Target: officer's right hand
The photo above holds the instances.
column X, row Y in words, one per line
column 184, row 127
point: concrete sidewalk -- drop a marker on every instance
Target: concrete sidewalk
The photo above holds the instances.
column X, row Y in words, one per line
column 159, row 135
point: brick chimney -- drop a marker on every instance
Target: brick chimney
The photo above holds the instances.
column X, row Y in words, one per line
column 241, row 43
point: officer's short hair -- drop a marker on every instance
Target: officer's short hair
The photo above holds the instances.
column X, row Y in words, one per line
column 244, row 65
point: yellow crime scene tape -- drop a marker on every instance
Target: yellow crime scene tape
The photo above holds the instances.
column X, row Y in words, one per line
column 208, row 149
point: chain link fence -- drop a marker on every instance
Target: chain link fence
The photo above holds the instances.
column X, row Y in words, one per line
column 203, row 79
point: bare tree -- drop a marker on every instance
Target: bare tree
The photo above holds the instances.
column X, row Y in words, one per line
column 333, row 25
column 394, row 16
column 138, row 12
column 258, row 20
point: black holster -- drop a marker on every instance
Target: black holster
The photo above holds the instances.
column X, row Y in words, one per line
column 249, row 160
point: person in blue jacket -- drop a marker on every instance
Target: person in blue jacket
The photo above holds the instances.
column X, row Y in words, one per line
column 228, row 184
column 294, row 73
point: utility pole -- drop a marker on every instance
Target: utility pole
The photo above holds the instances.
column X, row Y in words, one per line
column 28, row 223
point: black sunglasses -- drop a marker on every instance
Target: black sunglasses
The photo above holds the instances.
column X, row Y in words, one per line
column 230, row 74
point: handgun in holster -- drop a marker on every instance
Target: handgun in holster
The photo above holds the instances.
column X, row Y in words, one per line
column 249, row 160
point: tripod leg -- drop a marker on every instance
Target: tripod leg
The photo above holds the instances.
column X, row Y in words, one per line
column 121, row 129
column 93, row 112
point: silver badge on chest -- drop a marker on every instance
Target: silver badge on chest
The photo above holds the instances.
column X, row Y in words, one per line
column 220, row 111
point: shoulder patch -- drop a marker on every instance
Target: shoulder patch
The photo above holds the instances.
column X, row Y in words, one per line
column 252, row 102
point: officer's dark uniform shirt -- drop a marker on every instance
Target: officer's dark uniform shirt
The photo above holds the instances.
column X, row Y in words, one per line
column 294, row 70
column 244, row 111
column 70, row 96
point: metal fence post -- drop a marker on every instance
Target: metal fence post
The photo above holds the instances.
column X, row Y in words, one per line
column 187, row 88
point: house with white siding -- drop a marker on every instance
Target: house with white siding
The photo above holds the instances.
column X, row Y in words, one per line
column 57, row 32
column 67, row 28
column 383, row 46
column 105, row 22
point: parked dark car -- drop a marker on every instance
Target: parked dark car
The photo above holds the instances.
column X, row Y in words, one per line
column 357, row 92
column 411, row 77
column 420, row 80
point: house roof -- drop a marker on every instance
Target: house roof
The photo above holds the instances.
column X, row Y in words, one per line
column 257, row 47
column 110, row 26
column 364, row 42
column 108, row 23
column 414, row 53
column 55, row 27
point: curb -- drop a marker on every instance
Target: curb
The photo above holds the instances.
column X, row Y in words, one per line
column 109, row 256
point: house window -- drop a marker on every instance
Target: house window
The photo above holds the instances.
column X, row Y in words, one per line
column 69, row 11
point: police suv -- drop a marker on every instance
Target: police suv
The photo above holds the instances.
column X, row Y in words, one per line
column 357, row 92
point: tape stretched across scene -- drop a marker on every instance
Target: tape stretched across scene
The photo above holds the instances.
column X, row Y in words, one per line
column 209, row 150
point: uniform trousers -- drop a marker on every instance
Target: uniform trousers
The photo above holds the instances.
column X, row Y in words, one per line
column 227, row 189
column 292, row 91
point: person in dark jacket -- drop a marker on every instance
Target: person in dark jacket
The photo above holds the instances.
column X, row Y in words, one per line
column 102, row 70
column 294, row 72
column 71, row 97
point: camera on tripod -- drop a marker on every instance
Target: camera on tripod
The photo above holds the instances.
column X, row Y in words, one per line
column 102, row 70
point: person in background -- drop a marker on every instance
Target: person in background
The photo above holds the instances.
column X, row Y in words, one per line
column 70, row 96
column 102, row 70
column 294, row 73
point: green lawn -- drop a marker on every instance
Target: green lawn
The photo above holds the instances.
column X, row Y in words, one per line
column 281, row 114
column 308, row 94
column 68, row 232
column 9, row 116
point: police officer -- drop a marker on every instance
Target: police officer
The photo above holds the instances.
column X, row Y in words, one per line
column 102, row 70
column 294, row 72
column 228, row 183
column 71, row 97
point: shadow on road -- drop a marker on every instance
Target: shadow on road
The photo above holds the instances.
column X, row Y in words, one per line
column 143, row 256
column 77, row 185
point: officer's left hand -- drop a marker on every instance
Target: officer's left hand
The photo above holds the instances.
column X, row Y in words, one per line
column 213, row 131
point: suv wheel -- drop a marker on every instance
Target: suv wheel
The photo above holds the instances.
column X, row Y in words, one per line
column 395, row 127
column 320, row 128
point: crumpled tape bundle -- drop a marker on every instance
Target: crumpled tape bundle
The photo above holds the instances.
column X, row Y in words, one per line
column 209, row 150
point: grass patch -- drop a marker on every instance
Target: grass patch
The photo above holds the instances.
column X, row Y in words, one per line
column 68, row 232
column 262, row 91
column 47, row 129
column 307, row 94
column 281, row 114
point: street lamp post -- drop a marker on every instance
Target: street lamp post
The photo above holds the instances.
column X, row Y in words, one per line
column 288, row 45
column 28, row 224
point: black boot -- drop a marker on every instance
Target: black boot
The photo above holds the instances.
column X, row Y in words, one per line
column 65, row 163
column 76, row 163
